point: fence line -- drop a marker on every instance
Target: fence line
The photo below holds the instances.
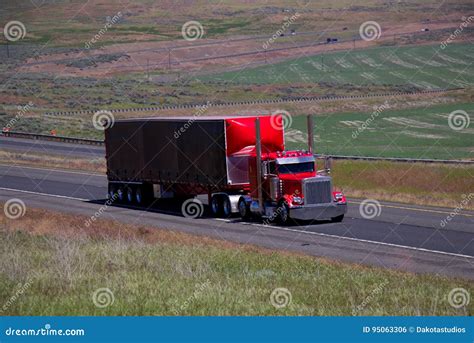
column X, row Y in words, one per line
column 254, row 102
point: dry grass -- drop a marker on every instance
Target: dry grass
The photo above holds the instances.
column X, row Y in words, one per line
column 51, row 161
column 58, row 264
column 416, row 183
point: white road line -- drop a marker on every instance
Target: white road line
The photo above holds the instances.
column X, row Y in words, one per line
column 44, row 194
column 365, row 241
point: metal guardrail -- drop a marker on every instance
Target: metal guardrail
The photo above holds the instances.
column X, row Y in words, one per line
column 393, row 159
column 254, row 102
column 43, row 137
column 74, row 140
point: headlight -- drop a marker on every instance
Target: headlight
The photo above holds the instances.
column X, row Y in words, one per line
column 339, row 197
column 298, row 201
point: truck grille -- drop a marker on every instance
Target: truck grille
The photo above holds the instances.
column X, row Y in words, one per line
column 317, row 190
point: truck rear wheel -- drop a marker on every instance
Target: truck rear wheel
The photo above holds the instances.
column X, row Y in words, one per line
column 226, row 207
column 220, row 206
column 337, row 219
column 215, row 205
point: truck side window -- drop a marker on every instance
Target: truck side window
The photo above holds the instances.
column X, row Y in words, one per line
column 272, row 167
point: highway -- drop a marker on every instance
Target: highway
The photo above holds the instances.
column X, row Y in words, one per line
column 403, row 237
column 25, row 145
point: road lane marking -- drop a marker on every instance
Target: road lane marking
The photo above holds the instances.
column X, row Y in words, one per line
column 281, row 228
column 365, row 241
column 44, row 194
column 417, row 209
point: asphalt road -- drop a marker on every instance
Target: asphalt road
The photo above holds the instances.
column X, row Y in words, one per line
column 402, row 237
column 25, row 145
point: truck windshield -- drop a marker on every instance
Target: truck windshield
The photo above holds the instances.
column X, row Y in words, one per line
column 293, row 168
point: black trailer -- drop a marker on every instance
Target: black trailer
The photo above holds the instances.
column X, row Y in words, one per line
column 167, row 150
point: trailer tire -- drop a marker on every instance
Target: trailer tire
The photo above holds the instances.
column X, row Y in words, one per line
column 139, row 195
column 120, row 194
column 244, row 209
column 130, row 195
column 112, row 194
column 337, row 219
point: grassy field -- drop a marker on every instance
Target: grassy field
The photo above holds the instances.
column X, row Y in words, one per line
column 415, row 133
column 416, row 183
column 49, row 266
column 418, row 67
column 71, row 23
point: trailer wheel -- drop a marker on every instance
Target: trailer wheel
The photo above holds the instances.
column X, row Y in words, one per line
column 244, row 209
column 120, row 194
column 130, row 197
column 112, row 195
column 283, row 213
column 337, row 219
column 139, row 196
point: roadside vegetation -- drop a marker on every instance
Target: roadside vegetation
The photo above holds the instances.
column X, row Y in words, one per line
column 414, row 183
column 50, row 264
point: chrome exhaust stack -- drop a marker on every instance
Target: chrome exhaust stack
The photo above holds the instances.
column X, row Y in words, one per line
column 258, row 151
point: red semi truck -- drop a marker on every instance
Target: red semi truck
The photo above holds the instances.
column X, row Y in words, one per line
column 233, row 164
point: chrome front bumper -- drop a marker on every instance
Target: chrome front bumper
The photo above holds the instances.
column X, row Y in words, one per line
column 318, row 211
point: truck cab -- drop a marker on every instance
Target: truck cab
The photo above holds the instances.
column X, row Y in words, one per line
column 292, row 188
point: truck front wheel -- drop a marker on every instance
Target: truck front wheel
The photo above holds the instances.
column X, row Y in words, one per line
column 283, row 213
